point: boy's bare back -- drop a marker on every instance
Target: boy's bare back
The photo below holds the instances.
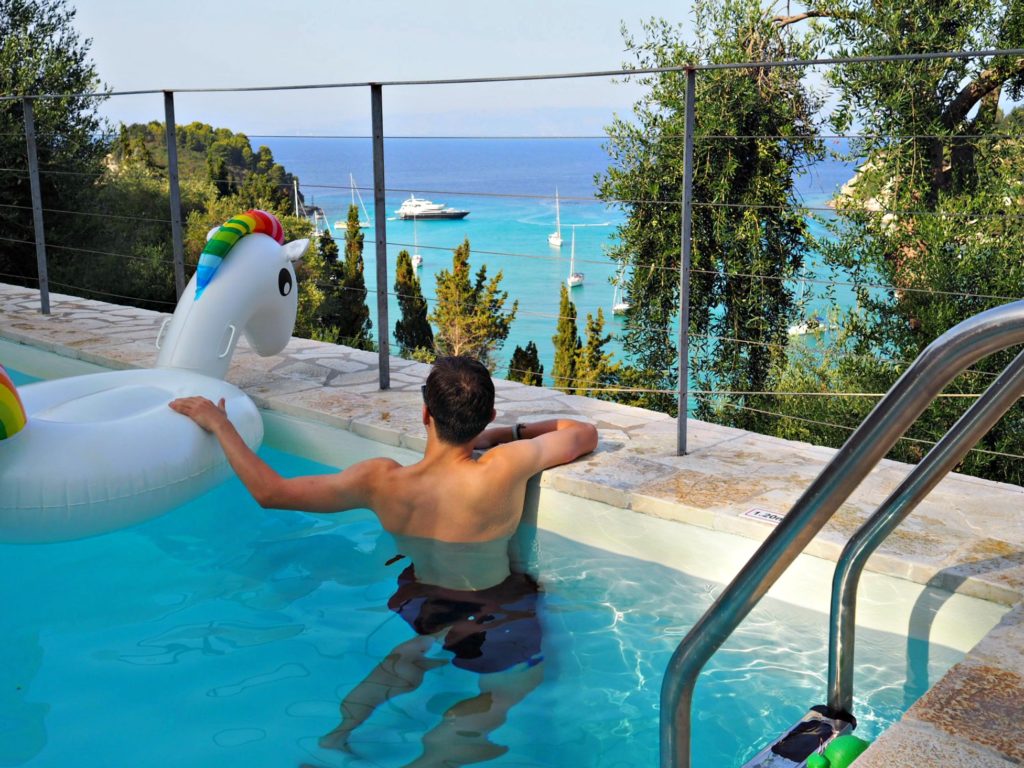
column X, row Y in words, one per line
column 451, row 494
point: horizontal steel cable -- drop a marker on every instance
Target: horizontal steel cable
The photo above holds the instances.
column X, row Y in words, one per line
column 115, row 295
column 87, row 213
column 570, row 383
column 728, row 275
column 20, row 277
column 604, row 74
column 851, row 429
column 605, row 137
column 85, row 250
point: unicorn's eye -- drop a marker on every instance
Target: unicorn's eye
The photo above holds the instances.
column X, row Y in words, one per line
column 284, row 282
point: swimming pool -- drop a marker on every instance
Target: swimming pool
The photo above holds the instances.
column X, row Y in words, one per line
column 225, row 634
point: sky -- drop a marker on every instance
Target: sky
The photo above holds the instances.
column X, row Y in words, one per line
column 145, row 44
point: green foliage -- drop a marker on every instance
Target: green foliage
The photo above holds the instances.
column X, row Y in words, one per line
column 470, row 316
column 218, row 155
column 567, row 345
column 40, row 52
column 525, row 366
column 932, row 214
column 331, row 282
column 754, row 129
column 346, row 317
column 595, row 368
column 412, row 331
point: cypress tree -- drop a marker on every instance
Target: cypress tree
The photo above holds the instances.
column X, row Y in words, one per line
column 469, row 316
column 412, row 331
column 594, row 367
column 567, row 345
column 525, row 366
column 329, row 275
column 354, row 324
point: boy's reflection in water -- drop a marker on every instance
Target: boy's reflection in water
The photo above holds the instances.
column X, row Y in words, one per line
column 468, row 599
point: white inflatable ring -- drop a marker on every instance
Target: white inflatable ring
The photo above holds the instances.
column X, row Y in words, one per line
column 104, row 451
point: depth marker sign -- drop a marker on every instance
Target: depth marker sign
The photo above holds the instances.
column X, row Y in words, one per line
column 764, row 515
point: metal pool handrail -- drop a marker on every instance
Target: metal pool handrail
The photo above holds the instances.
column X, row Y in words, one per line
column 940, row 461
column 943, row 359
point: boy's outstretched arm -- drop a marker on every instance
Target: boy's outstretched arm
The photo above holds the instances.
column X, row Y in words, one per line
column 350, row 489
column 543, row 444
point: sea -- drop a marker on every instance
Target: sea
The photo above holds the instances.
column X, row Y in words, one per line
column 509, row 186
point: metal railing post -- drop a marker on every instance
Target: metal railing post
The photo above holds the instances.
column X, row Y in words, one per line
column 37, row 205
column 686, row 236
column 380, row 216
column 940, row 461
column 177, row 240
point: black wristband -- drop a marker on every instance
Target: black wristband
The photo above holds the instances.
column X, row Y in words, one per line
column 517, row 431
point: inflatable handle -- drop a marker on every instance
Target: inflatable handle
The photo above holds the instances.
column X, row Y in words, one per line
column 227, row 347
column 160, row 334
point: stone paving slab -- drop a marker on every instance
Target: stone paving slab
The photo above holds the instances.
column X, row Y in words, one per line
column 967, row 536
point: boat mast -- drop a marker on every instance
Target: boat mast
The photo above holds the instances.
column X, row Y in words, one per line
column 572, row 254
column 558, row 217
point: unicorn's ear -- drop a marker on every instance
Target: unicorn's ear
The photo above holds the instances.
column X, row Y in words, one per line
column 211, row 233
column 296, row 249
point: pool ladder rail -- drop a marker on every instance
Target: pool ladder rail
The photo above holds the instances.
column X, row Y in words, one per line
column 960, row 347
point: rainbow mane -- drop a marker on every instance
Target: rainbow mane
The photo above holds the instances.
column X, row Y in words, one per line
column 224, row 239
column 12, row 412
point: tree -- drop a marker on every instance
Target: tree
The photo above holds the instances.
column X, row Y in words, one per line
column 754, row 128
column 525, row 366
column 470, row 317
column 567, row 345
column 354, row 327
column 40, row 52
column 328, row 272
column 595, row 369
column 412, row 331
column 931, row 213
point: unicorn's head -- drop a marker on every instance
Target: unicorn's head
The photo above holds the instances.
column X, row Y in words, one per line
column 244, row 284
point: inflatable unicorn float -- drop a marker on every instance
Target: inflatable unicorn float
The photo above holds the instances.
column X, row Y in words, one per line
column 90, row 454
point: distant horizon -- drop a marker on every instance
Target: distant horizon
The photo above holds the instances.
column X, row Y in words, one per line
column 234, row 45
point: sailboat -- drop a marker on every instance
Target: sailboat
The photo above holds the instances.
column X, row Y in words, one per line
column 555, row 238
column 812, row 324
column 619, row 304
column 575, row 278
column 365, row 222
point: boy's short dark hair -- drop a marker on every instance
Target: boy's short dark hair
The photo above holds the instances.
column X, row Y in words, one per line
column 460, row 397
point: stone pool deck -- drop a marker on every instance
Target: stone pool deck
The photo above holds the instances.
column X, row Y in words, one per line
column 967, row 536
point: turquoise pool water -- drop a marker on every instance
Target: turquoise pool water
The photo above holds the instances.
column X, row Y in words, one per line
column 224, row 634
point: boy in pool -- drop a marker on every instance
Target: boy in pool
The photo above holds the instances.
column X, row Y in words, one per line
column 453, row 516
column 448, row 495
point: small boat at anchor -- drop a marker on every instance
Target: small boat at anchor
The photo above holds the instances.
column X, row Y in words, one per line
column 575, row 278
column 619, row 304
column 365, row 222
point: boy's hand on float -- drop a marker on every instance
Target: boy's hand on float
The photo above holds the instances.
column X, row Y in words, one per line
column 202, row 411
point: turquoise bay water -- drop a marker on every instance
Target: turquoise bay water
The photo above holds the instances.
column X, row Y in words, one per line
column 509, row 187
column 224, row 634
